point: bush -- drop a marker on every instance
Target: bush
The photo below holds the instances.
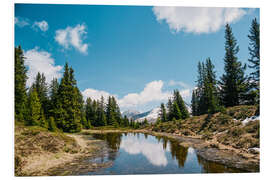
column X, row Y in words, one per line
column 236, row 131
column 51, row 125
column 207, row 135
column 224, row 118
column 247, row 142
column 252, row 127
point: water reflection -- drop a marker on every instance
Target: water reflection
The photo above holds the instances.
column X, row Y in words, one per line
column 178, row 152
column 141, row 153
column 152, row 151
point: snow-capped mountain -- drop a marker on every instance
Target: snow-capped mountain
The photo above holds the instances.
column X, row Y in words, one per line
column 130, row 113
column 151, row 116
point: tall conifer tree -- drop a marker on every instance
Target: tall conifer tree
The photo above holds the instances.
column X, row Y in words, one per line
column 20, row 85
column 233, row 81
column 253, row 96
column 163, row 114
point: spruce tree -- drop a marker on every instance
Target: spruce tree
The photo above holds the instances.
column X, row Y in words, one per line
column 163, row 114
column 210, row 88
column 20, row 85
column 194, row 103
column 51, row 125
column 126, row 121
column 254, row 60
column 101, row 113
column 34, row 115
column 254, row 51
column 70, row 112
column 170, row 110
column 181, row 104
column 89, row 111
column 233, row 81
column 53, row 97
column 42, row 90
column 176, row 113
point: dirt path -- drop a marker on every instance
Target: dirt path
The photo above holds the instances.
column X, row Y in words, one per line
column 44, row 163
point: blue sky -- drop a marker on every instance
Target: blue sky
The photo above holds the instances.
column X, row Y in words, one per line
column 137, row 53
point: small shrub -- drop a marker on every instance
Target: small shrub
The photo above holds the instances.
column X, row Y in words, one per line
column 247, row 142
column 224, row 118
column 236, row 131
column 207, row 135
column 252, row 127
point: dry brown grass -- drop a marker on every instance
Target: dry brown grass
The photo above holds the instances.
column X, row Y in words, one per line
column 36, row 149
column 225, row 128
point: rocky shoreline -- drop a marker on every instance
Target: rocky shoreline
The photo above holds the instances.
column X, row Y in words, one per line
column 81, row 163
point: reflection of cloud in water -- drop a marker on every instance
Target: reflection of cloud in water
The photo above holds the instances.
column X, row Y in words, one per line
column 191, row 154
column 152, row 151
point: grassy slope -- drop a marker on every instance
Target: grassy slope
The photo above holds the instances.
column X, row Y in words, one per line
column 34, row 144
column 222, row 128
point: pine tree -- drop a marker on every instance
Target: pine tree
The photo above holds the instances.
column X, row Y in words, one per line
column 170, row 110
column 116, row 110
column 51, row 125
column 69, row 112
column 89, row 112
column 163, row 114
column 181, row 104
column 210, row 88
column 53, row 97
column 126, row 121
column 176, row 113
column 101, row 113
column 194, row 103
column 34, row 114
column 254, row 51
column 113, row 113
column 43, row 121
column 42, row 90
column 20, row 85
column 233, row 81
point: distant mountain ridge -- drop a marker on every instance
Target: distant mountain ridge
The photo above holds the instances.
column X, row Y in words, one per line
column 151, row 115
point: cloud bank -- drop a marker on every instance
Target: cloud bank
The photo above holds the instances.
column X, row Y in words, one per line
column 41, row 61
column 197, row 19
column 152, row 92
column 72, row 37
column 153, row 152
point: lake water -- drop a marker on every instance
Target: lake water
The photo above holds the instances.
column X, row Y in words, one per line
column 137, row 153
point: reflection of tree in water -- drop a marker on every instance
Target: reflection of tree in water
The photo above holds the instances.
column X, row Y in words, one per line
column 145, row 135
column 212, row 167
column 113, row 140
column 178, row 152
column 165, row 141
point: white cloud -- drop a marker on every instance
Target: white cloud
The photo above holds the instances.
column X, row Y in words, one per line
column 72, row 37
column 186, row 93
column 95, row 94
column 151, row 92
column 197, row 19
column 21, row 22
column 178, row 83
column 153, row 152
column 42, row 25
column 41, row 61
